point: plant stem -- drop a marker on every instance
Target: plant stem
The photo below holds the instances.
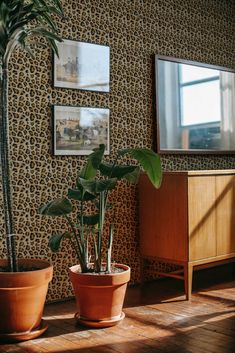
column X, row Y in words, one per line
column 77, row 248
column 109, row 252
column 102, row 207
column 82, row 228
column 95, row 249
column 5, row 168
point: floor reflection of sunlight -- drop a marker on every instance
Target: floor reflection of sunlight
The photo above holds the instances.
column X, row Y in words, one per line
column 221, row 316
column 218, row 294
column 206, row 322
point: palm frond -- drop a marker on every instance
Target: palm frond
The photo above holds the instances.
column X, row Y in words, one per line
column 13, row 43
column 46, row 19
column 21, row 19
column 42, row 32
column 53, row 45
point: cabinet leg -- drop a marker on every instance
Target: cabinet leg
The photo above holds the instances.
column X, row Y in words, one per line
column 188, row 280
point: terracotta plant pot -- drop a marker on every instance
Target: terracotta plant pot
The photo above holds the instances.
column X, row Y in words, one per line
column 22, row 299
column 99, row 297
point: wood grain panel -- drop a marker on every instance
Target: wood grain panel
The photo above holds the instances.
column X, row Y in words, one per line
column 163, row 218
column 202, row 213
column 189, row 221
column 225, row 214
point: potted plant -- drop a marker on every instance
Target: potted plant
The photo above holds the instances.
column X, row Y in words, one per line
column 23, row 283
column 99, row 284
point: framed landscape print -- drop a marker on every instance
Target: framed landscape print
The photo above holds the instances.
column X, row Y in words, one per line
column 82, row 65
column 77, row 130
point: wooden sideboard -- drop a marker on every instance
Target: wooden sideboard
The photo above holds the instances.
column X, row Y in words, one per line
column 189, row 221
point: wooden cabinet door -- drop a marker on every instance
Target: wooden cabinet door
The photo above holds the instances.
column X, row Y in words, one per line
column 201, row 217
column 225, row 214
column 163, row 218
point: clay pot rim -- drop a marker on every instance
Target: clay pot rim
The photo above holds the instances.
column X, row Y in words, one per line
column 46, row 264
column 125, row 268
column 100, row 279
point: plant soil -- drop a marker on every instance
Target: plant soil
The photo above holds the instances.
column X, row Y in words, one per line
column 114, row 269
column 21, row 269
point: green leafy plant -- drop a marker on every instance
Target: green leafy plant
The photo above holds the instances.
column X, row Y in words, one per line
column 92, row 195
column 22, row 22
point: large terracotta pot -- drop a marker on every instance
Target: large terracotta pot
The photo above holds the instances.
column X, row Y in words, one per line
column 22, row 299
column 99, row 297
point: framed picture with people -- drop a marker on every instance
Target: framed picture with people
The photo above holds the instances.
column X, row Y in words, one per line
column 77, row 130
column 82, row 65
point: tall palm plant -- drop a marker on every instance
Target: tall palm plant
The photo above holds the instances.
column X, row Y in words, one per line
column 21, row 23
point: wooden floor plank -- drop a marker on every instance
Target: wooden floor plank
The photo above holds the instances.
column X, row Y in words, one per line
column 158, row 320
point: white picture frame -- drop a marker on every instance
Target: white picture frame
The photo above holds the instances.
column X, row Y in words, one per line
column 82, row 65
column 77, row 130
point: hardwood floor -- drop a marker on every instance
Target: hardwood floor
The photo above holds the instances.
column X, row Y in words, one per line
column 158, row 319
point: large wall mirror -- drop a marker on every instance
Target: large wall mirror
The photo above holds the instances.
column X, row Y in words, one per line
column 195, row 107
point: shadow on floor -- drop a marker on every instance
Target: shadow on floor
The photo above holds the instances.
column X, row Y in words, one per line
column 158, row 319
column 146, row 332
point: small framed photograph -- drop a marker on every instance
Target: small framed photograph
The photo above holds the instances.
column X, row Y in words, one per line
column 82, row 65
column 77, row 130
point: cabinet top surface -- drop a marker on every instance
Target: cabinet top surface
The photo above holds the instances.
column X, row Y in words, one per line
column 201, row 172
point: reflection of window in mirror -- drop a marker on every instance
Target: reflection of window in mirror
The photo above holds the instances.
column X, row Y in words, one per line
column 199, row 95
column 195, row 106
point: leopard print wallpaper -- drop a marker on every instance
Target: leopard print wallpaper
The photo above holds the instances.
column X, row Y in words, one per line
column 135, row 30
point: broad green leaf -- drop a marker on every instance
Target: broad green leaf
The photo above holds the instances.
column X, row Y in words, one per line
column 150, row 162
column 118, row 171
column 133, row 176
column 107, row 184
column 78, row 195
column 97, row 186
column 88, row 171
column 92, row 164
column 58, row 207
column 55, row 241
column 96, row 156
column 90, row 220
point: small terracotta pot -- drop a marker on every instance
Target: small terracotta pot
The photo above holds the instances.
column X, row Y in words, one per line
column 99, row 297
column 22, row 299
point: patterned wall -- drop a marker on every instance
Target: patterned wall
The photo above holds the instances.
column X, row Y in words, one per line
column 135, row 30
